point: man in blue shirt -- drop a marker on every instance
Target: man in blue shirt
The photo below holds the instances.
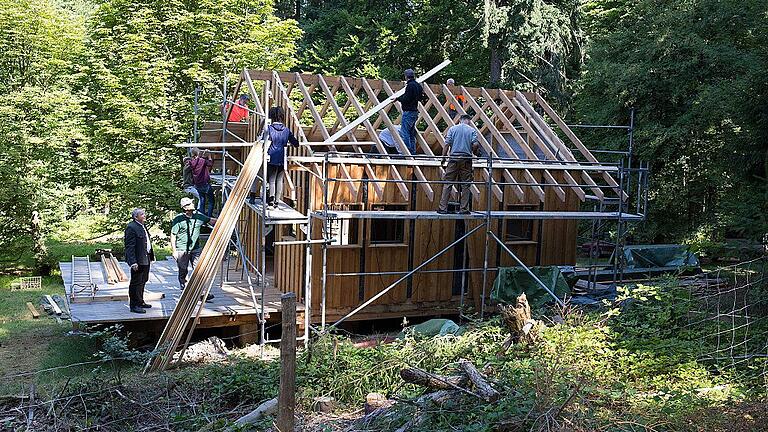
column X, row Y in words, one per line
column 460, row 145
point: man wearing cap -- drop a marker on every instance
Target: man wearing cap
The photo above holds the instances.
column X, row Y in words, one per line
column 410, row 103
column 185, row 238
column 138, row 254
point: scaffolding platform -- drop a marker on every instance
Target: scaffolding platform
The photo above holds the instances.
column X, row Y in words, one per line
column 232, row 305
column 283, row 214
column 480, row 215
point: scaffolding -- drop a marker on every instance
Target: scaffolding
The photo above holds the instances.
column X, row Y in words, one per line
column 510, row 113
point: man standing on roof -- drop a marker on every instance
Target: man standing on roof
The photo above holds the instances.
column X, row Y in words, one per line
column 460, row 145
column 201, row 175
column 410, row 103
column 459, row 98
column 280, row 137
column 138, row 254
column 239, row 111
column 185, row 239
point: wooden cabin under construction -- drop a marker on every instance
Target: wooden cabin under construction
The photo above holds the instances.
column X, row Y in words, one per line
column 359, row 237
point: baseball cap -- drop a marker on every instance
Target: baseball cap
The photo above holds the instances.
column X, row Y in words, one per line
column 187, row 203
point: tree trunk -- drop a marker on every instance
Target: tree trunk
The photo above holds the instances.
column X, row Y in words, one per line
column 426, row 379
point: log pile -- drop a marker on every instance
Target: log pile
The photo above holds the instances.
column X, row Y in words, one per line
column 113, row 273
column 441, row 389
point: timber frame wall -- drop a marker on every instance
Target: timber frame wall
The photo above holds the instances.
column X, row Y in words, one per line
column 533, row 171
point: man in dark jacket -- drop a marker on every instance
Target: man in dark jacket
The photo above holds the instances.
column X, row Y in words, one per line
column 410, row 103
column 138, row 254
column 201, row 164
column 280, row 137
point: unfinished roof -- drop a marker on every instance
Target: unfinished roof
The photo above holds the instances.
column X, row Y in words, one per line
column 520, row 130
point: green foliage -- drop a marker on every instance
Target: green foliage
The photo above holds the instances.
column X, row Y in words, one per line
column 383, row 38
column 146, row 58
column 696, row 73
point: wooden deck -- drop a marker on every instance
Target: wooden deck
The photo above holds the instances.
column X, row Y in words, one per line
column 232, row 304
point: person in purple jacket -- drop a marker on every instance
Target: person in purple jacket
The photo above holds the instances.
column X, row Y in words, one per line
column 280, row 137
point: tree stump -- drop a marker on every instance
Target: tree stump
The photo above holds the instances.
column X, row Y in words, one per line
column 517, row 319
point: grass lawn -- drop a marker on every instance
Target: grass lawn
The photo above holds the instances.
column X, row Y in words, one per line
column 28, row 344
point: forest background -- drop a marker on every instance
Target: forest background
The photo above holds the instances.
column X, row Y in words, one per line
column 94, row 93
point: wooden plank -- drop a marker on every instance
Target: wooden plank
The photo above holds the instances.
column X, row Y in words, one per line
column 384, row 103
column 33, row 311
column 377, row 142
column 55, row 307
column 208, row 265
column 403, row 148
column 148, row 296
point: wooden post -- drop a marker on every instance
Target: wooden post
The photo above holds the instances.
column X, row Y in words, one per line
column 286, row 404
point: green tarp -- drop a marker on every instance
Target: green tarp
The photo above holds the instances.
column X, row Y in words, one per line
column 433, row 327
column 670, row 255
column 513, row 281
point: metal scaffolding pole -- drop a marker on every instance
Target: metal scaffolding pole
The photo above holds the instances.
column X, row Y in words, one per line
column 406, row 276
column 527, row 270
column 488, row 193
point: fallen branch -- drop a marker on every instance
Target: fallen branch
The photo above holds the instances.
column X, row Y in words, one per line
column 439, row 382
column 488, row 393
column 266, row 408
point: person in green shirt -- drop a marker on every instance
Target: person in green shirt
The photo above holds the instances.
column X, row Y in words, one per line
column 185, row 239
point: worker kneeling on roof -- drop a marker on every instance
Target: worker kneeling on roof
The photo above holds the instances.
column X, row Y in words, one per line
column 185, row 239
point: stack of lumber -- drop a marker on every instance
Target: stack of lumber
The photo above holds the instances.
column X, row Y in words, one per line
column 112, row 270
column 202, row 276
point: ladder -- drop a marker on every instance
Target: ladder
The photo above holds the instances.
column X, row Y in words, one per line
column 82, row 279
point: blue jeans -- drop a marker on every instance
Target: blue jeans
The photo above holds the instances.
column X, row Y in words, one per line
column 206, row 199
column 408, row 129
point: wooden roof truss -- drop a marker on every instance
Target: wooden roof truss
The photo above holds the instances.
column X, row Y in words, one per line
column 516, row 126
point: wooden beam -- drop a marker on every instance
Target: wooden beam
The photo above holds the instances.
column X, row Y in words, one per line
column 521, row 142
column 377, row 142
column 386, row 102
column 319, row 123
column 502, row 141
column 487, row 146
column 403, row 148
column 340, row 116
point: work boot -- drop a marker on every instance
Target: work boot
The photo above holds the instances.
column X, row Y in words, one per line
column 252, row 198
column 137, row 309
column 146, row 305
column 209, row 298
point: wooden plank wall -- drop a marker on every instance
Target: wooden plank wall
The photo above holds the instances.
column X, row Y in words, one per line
column 557, row 246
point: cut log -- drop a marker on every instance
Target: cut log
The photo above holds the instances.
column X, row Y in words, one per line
column 426, row 379
column 481, row 385
column 374, row 401
column 266, row 408
column 323, row 404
